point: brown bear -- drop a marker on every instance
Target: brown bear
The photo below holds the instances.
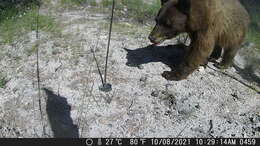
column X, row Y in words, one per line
column 212, row 25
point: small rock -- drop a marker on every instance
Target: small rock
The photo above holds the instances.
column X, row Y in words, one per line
column 167, row 113
column 164, row 92
column 143, row 79
column 197, row 106
column 172, row 100
column 201, row 69
column 55, row 52
column 155, row 93
column 243, row 114
column 229, row 121
column 234, row 95
column 140, row 67
column 251, row 119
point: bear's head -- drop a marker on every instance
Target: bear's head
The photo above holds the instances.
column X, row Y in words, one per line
column 171, row 20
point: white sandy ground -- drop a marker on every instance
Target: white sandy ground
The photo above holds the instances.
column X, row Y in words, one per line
column 141, row 104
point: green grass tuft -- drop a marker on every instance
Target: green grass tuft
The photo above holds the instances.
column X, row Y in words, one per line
column 15, row 24
column 73, row 3
column 3, row 81
column 136, row 9
column 140, row 10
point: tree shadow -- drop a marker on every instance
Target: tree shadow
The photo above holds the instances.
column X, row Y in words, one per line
column 58, row 111
column 171, row 55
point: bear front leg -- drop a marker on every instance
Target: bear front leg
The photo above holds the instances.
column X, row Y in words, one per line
column 201, row 48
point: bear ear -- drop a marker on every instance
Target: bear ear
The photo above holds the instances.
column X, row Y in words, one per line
column 184, row 6
column 163, row 1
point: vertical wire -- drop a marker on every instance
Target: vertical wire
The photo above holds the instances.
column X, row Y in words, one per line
column 38, row 66
column 37, row 58
column 94, row 56
column 109, row 38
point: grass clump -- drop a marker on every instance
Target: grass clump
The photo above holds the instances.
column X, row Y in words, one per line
column 136, row 9
column 142, row 11
column 3, row 81
column 73, row 3
column 17, row 21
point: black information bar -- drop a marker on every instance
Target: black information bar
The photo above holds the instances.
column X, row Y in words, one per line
column 130, row 142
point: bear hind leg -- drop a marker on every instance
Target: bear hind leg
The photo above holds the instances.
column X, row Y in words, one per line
column 227, row 59
column 216, row 54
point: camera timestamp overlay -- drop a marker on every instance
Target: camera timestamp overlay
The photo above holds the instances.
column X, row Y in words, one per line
column 133, row 142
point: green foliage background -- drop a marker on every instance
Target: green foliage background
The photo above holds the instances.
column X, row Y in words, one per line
column 18, row 16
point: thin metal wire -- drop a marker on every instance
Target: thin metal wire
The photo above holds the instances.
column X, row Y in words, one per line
column 38, row 66
column 99, row 71
column 37, row 58
column 109, row 38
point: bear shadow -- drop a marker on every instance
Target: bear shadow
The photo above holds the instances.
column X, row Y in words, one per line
column 58, row 111
column 171, row 55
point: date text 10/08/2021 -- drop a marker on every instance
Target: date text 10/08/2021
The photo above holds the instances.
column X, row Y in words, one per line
column 174, row 141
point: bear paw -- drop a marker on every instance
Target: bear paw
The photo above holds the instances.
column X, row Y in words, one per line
column 221, row 66
column 173, row 76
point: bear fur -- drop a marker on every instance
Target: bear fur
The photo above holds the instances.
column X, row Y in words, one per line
column 212, row 25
